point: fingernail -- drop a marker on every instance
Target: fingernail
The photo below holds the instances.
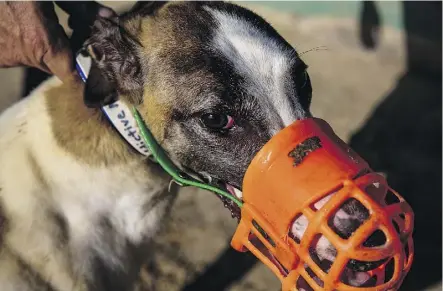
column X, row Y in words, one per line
column 106, row 12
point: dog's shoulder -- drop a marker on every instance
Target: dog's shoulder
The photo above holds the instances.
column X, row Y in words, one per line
column 27, row 144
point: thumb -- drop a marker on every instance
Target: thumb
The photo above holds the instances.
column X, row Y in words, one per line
column 106, row 12
column 60, row 62
column 58, row 58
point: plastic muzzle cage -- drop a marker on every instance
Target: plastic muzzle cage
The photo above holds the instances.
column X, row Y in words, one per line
column 297, row 168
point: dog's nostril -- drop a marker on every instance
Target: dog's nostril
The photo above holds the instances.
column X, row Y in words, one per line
column 376, row 239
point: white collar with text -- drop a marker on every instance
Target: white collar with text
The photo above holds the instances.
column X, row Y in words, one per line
column 118, row 113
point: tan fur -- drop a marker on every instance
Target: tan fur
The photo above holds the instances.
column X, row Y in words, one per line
column 36, row 169
column 84, row 132
column 162, row 41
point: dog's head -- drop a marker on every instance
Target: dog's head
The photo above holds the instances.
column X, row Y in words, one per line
column 213, row 81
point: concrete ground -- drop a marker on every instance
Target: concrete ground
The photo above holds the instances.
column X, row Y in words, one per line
column 349, row 83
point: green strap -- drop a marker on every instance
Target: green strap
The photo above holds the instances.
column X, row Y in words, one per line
column 164, row 161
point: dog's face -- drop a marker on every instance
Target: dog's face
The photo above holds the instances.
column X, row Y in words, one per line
column 213, row 81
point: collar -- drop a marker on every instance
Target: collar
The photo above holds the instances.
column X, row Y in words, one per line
column 118, row 113
column 131, row 126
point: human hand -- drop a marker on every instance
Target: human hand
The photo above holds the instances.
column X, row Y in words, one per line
column 30, row 35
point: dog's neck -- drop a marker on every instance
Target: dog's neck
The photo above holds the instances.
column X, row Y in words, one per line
column 83, row 132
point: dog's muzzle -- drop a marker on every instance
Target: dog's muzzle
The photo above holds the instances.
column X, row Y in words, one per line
column 306, row 170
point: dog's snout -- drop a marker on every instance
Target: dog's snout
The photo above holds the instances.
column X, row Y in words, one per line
column 344, row 222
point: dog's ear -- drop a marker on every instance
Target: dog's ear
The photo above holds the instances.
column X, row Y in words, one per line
column 116, row 68
column 99, row 90
column 147, row 8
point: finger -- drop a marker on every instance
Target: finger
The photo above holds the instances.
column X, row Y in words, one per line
column 106, row 12
column 58, row 57
column 60, row 63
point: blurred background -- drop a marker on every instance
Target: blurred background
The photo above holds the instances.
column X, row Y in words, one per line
column 377, row 79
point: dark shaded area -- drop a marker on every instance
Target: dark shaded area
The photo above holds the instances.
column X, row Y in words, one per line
column 403, row 137
column 229, row 267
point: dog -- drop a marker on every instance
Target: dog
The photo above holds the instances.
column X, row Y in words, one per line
column 79, row 207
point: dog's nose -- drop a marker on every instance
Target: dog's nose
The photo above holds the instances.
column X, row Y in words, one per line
column 352, row 215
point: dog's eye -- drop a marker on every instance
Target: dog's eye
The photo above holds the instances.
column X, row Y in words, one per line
column 217, row 121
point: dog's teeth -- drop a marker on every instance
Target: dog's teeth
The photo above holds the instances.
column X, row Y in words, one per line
column 238, row 193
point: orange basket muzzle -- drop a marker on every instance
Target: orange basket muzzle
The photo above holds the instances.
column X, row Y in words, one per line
column 301, row 187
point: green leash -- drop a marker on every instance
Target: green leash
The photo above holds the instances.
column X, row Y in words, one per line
column 164, row 161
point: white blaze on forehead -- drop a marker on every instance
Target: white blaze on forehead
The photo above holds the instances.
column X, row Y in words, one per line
column 263, row 62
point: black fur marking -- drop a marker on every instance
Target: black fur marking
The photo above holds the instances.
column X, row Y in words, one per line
column 303, row 149
column 123, row 274
column 62, row 226
column 32, row 278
